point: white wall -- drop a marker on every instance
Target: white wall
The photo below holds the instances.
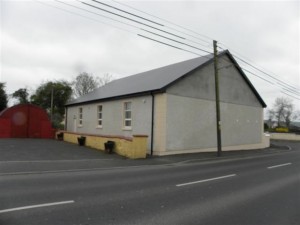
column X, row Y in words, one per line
column 285, row 136
column 191, row 124
column 191, row 110
column 112, row 118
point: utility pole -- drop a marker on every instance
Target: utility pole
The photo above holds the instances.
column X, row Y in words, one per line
column 218, row 120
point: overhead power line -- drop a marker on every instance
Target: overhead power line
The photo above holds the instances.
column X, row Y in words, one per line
column 267, row 74
column 239, row 56
column 161, row 30
column 286, row 87
column 257, row 75
column 260, row 77
column 86, row 17
column 106, row 17
column 249, row 64
column 83, row 16
column 177, row 41
column 110, row 18
column 173, row 46
column 296, row 89
column 208, row 43
column 137, row 17
column 289, row 95
column 177, row 25
column 127, row 18
column 273, row 77
column 132, row 14
column 292, row 91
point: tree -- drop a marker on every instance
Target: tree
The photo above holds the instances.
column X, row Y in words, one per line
column 61, row 91
column 84, row 83
column 3, row 97
column 22, row 95
column 106, row 78
column 282, row 111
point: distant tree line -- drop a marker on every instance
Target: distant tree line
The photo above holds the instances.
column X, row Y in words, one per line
column 55, row 94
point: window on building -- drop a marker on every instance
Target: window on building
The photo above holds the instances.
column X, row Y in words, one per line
column 80, row 116
column 99, row 115
column 127, row 115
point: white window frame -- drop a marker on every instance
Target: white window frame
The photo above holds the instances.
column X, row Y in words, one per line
column 80, row 117
column 99, row 118
column 125, row 114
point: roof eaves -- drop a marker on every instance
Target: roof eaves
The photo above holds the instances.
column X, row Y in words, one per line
column 138, row 94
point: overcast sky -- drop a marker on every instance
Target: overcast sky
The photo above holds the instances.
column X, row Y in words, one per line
column 41, row 43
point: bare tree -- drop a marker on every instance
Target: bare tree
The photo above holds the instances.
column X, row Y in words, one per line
column 106, row 78
column 85, row 83
column 296, row 115
column 282, row 111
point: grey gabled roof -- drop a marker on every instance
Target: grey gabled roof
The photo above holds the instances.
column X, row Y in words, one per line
column 150, row 81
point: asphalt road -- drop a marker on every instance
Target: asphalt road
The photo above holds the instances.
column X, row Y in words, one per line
column 264, row 190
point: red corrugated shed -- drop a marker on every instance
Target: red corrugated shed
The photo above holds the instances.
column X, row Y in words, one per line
column 25, row 121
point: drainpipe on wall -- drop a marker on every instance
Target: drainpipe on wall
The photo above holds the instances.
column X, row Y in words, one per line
column 152, row 125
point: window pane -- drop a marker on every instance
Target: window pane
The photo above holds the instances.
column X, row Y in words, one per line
column 127, row 106
column 128, row 123
column 128, row 115
column 99, row 115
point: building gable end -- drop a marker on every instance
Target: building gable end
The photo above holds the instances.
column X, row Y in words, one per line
column 199, row 83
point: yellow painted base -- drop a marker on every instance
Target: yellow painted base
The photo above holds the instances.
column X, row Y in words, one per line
column 133, row 148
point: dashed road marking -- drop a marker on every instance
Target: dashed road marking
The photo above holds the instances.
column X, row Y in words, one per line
column 206, row 180
column 280, row 165
column 36, row 206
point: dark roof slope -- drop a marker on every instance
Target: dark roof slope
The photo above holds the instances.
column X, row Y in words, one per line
column 151, row 81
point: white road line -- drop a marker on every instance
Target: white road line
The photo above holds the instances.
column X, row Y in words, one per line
column 36, row 206
column 202, row 181
column 285, row 164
